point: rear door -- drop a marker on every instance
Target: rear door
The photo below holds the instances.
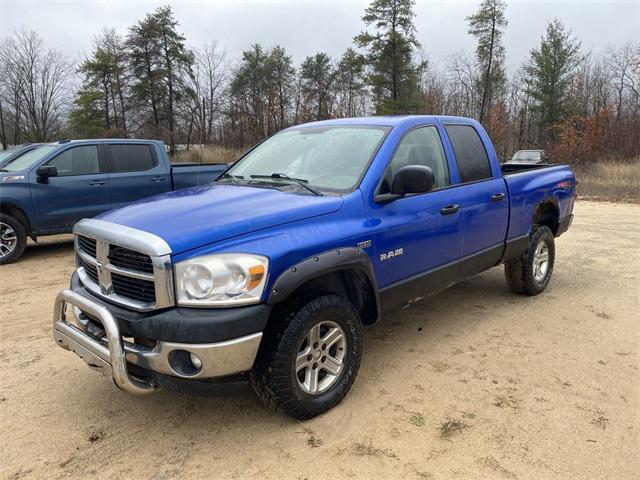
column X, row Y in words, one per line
column 135, row 172
column 484, row 201
column 80, row 190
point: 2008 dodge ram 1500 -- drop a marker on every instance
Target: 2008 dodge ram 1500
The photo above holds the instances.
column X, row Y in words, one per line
column 49, row 187
column 271, row 272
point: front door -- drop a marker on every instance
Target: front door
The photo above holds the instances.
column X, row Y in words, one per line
column 418, row 238
column 80, row 190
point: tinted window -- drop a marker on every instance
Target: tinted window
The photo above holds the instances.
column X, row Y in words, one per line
column 422, row 146
column 131, row 158
column 77, row 161
column 471, row 156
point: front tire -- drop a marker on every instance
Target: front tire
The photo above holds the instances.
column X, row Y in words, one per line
column 13, row 239
column 309, row 358
column 530, row 273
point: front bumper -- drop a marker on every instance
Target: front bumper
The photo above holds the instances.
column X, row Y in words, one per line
column 106, row 350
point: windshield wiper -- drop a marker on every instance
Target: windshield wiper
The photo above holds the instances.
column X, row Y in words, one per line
column 300, row 181
column 233, row 178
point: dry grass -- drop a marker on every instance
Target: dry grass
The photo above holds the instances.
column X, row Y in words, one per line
column 209, row 154
column 613, row 181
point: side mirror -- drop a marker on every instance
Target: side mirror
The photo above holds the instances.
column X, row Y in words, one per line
column 412, row 179
column 45, row 172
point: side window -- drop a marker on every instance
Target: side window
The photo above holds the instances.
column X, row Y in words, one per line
column 471, row 156
column 131, row 158
column 82, row 160
column 422, row 146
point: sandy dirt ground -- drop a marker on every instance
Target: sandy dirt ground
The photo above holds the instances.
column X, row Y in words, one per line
column 474, row 383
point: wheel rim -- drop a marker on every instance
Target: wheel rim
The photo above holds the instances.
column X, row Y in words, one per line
column 541, row 261
column 320, row 358
column 8, row 239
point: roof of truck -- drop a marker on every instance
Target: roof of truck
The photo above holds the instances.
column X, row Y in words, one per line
column 387, row 120
column 102, row 140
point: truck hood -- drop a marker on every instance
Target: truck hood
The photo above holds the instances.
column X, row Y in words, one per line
column 198, row 216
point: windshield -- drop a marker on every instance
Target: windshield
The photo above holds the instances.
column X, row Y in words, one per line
column 526, row 156
column 25, row 161
column 324, row 158
column 4, row 154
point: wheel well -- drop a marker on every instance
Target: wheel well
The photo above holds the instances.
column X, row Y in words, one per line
column 547, row 214
column 352, row 284
column 18, row 214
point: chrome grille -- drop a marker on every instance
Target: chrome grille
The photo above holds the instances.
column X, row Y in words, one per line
column 87, row 245
column 134, row 277
column 90, row 270
column 125, row 258
column 134, row 288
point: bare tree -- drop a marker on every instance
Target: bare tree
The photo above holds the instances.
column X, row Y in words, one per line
column 38, row 78
column 212, row 67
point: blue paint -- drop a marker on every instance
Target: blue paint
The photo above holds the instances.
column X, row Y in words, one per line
column 56, row 205
column 290, row 226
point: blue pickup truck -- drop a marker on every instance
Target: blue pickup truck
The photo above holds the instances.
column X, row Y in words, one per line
column 46, row 189
column 270, row 273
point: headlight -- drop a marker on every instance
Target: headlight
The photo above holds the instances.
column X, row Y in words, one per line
column 224, row 279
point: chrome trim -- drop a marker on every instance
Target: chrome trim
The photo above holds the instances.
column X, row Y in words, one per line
column 138, row 240
column 106, row 234
column 107, row 352
column 114, row 297
column 218, row 359
column 111, row 359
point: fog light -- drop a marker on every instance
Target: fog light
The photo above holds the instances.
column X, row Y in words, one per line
column 195, row 361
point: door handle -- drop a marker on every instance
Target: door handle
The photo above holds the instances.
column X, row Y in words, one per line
column 97, row 182
column 158, row 179
column 448, row 210
column 497, row 197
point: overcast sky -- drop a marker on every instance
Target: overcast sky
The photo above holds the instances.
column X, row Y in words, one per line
column 307, row 26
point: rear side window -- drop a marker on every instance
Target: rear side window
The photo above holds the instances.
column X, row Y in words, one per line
column 471, row 156
column 77, row 161
column 131, row 158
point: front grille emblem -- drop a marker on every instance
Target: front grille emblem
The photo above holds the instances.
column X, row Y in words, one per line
column 102, row 259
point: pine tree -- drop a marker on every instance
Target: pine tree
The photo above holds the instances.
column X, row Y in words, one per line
column 86, row 118
column 486, row 25
column 318, row 75
column 390, row 52
column 161, row 63
column 549, row 73
column 281, row 75
column 351, row 81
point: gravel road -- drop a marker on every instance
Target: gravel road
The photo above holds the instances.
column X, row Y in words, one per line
column 473, row 383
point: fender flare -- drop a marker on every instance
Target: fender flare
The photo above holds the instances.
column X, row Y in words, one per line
column 554, row 203
column 347, row 258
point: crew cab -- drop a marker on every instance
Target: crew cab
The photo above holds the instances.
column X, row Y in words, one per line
column 47, row 189
column 270, row 273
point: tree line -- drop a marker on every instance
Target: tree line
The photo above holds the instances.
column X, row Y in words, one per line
column 148, row 82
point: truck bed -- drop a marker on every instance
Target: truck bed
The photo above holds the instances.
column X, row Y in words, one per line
column 511, row 168
column 530, row 185
column 190, row 174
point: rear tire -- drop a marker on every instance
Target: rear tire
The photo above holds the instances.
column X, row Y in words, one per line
column 309, row 357
column 530, row 273
column 13, row 239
